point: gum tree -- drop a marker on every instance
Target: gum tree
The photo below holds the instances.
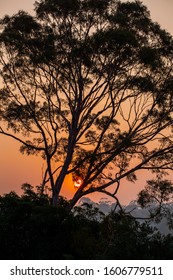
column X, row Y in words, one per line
column 88, row 86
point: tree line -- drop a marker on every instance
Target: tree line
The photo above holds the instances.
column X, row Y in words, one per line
column 31, row 228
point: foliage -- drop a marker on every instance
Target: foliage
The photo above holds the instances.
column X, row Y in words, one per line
column 88, row 86
column 34, row 229
column 157, row 195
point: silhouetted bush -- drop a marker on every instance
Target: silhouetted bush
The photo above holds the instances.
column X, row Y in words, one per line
column 30, row 228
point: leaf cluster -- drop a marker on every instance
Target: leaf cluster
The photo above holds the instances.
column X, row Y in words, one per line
column 32, row 229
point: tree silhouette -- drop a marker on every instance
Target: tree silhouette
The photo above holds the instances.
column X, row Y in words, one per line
column 88, row 86
column 30, row 228
column 157, row 196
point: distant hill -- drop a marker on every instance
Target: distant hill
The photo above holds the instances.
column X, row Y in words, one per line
column 106, row 206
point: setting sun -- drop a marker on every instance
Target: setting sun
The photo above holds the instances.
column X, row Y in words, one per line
column 78, row 183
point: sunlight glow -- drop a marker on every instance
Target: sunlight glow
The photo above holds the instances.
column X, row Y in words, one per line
column 78, row 183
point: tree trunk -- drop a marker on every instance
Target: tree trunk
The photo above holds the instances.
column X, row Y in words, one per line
column 63, row 172
column 55, row 198
column 74, row 200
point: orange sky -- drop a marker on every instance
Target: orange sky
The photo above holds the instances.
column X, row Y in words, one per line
column 16, row 169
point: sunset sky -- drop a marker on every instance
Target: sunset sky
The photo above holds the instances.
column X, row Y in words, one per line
column 16, row 169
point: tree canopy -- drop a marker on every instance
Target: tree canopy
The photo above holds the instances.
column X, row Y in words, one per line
column 31, row 229
column 88, row 85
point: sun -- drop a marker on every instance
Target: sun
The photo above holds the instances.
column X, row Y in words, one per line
column 78, row 183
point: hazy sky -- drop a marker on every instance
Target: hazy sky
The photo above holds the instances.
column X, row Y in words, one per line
column 161, row 10
column 16, row 169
